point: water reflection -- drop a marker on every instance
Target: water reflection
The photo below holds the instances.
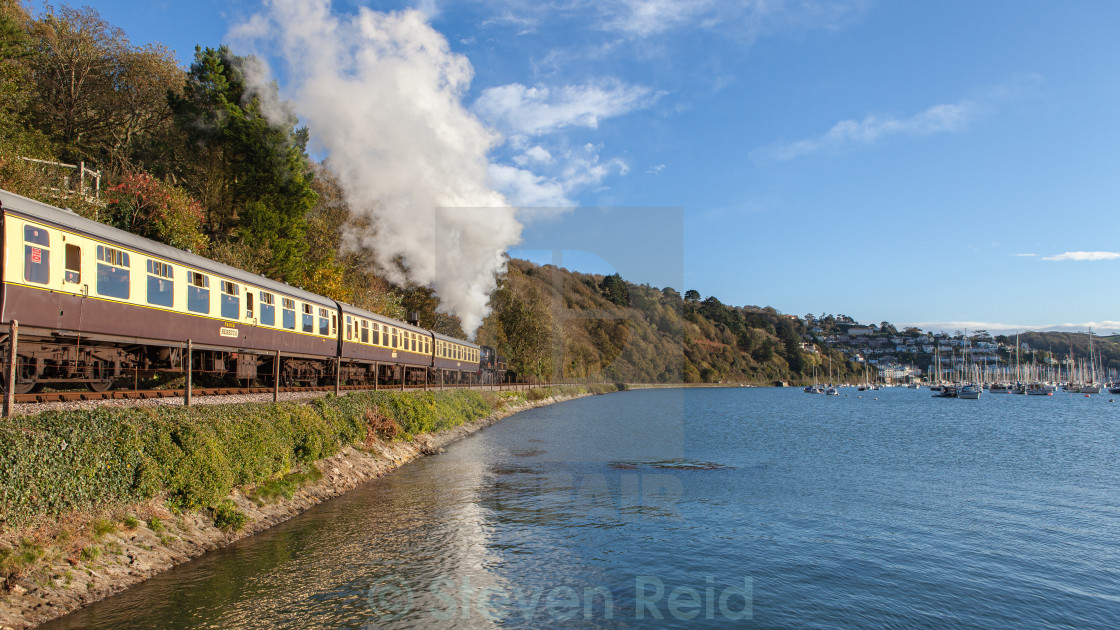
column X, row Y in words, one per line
column 801, row 511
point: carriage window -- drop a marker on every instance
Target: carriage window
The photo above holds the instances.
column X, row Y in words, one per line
column 308, row 318
column 160, row 287
column 73, row 264
column 112, row 273
column 289, row 314
column 385, row 336
column 198, row 292
column 349, row 329
column 248, row 304
column 268, row 309
column 36, row 235
column 231, row 302
column 36, row 260
column 365, row 331
column 413, row 335
column 394, row 338
column 324, row 323
column 376, row 333
column 334, row 323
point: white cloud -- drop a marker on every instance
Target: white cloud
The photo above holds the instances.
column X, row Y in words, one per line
column 525, row 188
column 648, row 18
column 656, row 169
column 644, row 18
column 533, row 155
column 1083, row 256
column 1025, row 255
column 533, row 111
column 938, row 119
column 566, row 173
column 998, row 328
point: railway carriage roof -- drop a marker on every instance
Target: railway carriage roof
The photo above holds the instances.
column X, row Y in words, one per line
column 350, row 309
column 454, row 340
column 69, row 220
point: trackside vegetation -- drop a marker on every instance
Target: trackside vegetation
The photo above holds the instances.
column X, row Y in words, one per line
column 59, row 462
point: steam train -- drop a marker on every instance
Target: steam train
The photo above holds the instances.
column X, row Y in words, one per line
column 95, row 304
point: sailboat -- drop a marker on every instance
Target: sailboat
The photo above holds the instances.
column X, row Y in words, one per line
column 815, row 388
column 1091, row 386
column 970, row 390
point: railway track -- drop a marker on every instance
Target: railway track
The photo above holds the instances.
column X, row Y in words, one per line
column 72, row 396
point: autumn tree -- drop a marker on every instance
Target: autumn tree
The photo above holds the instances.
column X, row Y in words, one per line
column 96, row 94
column 524, row 325
column 144, row 205
column 18, row 137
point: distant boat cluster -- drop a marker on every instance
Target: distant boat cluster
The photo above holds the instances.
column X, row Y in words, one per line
column 972, row 391
column 971, row 380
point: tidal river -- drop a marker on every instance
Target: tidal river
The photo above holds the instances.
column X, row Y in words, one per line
column 764, row 508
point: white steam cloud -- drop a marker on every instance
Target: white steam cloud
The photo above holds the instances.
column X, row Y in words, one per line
column 382, row 94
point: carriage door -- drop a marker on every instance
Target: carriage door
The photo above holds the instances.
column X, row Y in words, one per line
column 75, row 288
column 71, row 299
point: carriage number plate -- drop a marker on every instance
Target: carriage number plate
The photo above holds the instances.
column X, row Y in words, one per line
column 229, row 332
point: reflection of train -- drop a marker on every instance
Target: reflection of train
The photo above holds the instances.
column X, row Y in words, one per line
column 95, row 304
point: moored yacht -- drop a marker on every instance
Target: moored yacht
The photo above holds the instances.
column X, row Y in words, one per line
column 969, row 392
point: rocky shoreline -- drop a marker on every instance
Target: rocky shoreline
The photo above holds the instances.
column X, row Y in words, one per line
column 65, row 584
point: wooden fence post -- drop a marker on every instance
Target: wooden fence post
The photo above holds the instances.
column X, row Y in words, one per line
column 276, row 377
column 376, row 375
column 10, row 377
column 190, row 368
column 337, row 374
column 404, row 375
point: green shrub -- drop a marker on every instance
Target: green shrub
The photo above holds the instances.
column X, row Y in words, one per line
column 285, row 486
column 131, row 523
column 226, row 516
column 155, row 524
column 100, row 527
column 61, row 461
column 13, row 562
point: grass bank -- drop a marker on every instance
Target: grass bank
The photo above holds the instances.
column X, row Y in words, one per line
column 80, row 487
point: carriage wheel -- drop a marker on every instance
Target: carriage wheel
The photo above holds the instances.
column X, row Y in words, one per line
column 99, row 386
column 21, row 387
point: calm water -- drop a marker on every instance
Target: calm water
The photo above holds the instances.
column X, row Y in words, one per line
column 749, row 507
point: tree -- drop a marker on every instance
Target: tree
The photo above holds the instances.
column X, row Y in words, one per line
column 18, row 137
column 253, row 175
column 692, row 295
column 614, row 289
column 525, row 325
column 143, row 205
column 97, row 96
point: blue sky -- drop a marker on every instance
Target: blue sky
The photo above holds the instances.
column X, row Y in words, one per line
column 935, row 163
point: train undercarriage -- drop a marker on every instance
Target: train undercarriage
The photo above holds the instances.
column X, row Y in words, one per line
column 61, row 362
